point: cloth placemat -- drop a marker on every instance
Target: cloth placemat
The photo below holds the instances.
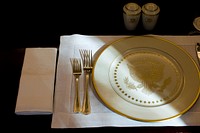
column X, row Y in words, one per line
column 101, row 116
column 36, row 87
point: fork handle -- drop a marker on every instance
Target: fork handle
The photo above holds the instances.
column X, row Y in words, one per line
column 86, row 109
column 77, row 107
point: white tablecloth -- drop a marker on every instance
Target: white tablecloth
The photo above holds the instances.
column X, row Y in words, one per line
column 63, row 116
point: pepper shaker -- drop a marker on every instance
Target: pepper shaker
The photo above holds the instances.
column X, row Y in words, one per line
column 131, row 15
column 150, row 14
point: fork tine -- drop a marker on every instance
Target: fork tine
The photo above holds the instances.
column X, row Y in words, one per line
column 73, row 62
column 76, row 64
column 86, row 56
column 79, row 67
column 82, row 53
column 90, row 58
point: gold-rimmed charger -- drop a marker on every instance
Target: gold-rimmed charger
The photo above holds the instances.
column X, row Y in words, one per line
column 146, row 78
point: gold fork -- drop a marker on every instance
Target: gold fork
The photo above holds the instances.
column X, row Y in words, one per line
column 77, row 71
column 86, row 56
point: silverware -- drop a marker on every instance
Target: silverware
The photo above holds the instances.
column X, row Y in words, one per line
column 198, row 52
column 77, row 71
column 86, row 56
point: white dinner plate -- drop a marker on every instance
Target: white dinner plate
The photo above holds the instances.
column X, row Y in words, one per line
column 146, row 78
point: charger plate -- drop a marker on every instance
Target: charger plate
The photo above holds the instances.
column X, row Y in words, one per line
column 146, row 78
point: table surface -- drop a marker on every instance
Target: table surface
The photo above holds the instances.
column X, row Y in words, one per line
column 41, row 25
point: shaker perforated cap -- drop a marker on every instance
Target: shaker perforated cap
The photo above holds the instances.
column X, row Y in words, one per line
column 150, row 9
column 132, row 9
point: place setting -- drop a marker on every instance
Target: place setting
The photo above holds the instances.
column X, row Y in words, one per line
column 121, row 81
column 134, row 81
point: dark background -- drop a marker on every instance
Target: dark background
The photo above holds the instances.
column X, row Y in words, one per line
column 40, row 24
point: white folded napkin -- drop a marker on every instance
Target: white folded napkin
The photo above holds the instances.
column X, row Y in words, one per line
column 101, row 116
column 36, row 87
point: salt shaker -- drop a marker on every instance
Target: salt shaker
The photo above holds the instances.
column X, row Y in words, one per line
column 131, row 15
column 150, row 14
